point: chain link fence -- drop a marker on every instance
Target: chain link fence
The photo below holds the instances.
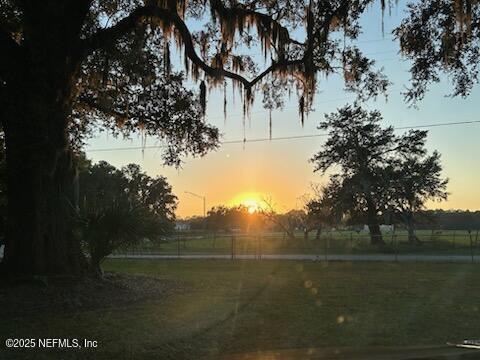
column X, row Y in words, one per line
column 328, row 243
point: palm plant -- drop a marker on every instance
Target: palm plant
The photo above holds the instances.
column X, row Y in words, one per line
column 119, row 224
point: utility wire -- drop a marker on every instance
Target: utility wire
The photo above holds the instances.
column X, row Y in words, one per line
column 296, row 137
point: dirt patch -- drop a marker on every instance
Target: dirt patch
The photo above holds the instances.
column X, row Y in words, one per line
column 54, row 295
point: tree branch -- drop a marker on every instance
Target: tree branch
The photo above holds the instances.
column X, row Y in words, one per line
column 105, row 38
column 91, row 103
column 265, row 19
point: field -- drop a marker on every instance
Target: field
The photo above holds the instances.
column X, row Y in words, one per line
column 225, row 307
column 433, row 242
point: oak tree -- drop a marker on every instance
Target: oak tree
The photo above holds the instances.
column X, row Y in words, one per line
column 441, row 37
column 70, row 67
column 415, row 180
column 363, row 151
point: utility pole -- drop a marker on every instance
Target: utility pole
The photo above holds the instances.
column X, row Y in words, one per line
column 200, row 197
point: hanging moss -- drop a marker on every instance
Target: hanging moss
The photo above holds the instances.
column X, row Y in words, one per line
column 203, row 96
column 166, row 58
column 463, row 14
column 319, row 22
column 301, row 109
column 270, row 125
column 225, row 102
column 247, row 101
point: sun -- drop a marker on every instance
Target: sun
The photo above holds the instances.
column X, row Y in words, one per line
column 250, row 200
column 251, row 205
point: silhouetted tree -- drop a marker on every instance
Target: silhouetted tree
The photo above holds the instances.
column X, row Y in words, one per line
column 362, row 150
column 224, row 218
column 311, row 214
column 113, row 226
column 154, row 193
column 287, row 222
column 120, row 207
column 218, row 220
column 441, row 36
column 69, row 66
column 321, row 211
column 415, row 179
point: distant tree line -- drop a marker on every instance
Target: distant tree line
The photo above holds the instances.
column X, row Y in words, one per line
column 228, row 220
column 449, row 220
column 316, row 218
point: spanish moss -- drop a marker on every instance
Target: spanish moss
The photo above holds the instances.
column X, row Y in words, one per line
column 301, row 109
column 203, row 97
column 225, row 102
column 270, row 125
column 166, row 58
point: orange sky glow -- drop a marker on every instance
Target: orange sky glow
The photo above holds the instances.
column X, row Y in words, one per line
column 279, row 169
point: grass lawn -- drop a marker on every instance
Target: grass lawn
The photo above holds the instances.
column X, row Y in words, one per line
column 247, row 306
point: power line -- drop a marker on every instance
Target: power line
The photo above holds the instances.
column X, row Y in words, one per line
column 325, row 134
column 295, row 137
column 438, row 125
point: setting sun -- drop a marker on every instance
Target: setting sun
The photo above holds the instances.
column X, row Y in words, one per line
column 252, row 205
column 251, row 201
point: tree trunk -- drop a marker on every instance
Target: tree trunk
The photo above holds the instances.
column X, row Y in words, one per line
column 35, row 106
column 306, row 231
column 41, row 182
column 94, row 265
column 291, row 235
column 376, row 237
column 412, row 237
column 319, row 232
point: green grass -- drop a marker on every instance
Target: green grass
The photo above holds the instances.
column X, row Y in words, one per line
column 246, row 306
column 333, row 242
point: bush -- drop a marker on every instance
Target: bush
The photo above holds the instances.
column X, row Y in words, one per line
column 105, row 230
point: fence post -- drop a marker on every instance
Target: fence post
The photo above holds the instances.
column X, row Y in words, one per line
column 178, row 247
column 326, row 248
column 351, row 241
column 473, row 250
column 395, row 244
column 260, row 248
column 232, row 238
column 471, row 244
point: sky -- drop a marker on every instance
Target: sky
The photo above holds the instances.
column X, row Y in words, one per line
column 279, row 169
